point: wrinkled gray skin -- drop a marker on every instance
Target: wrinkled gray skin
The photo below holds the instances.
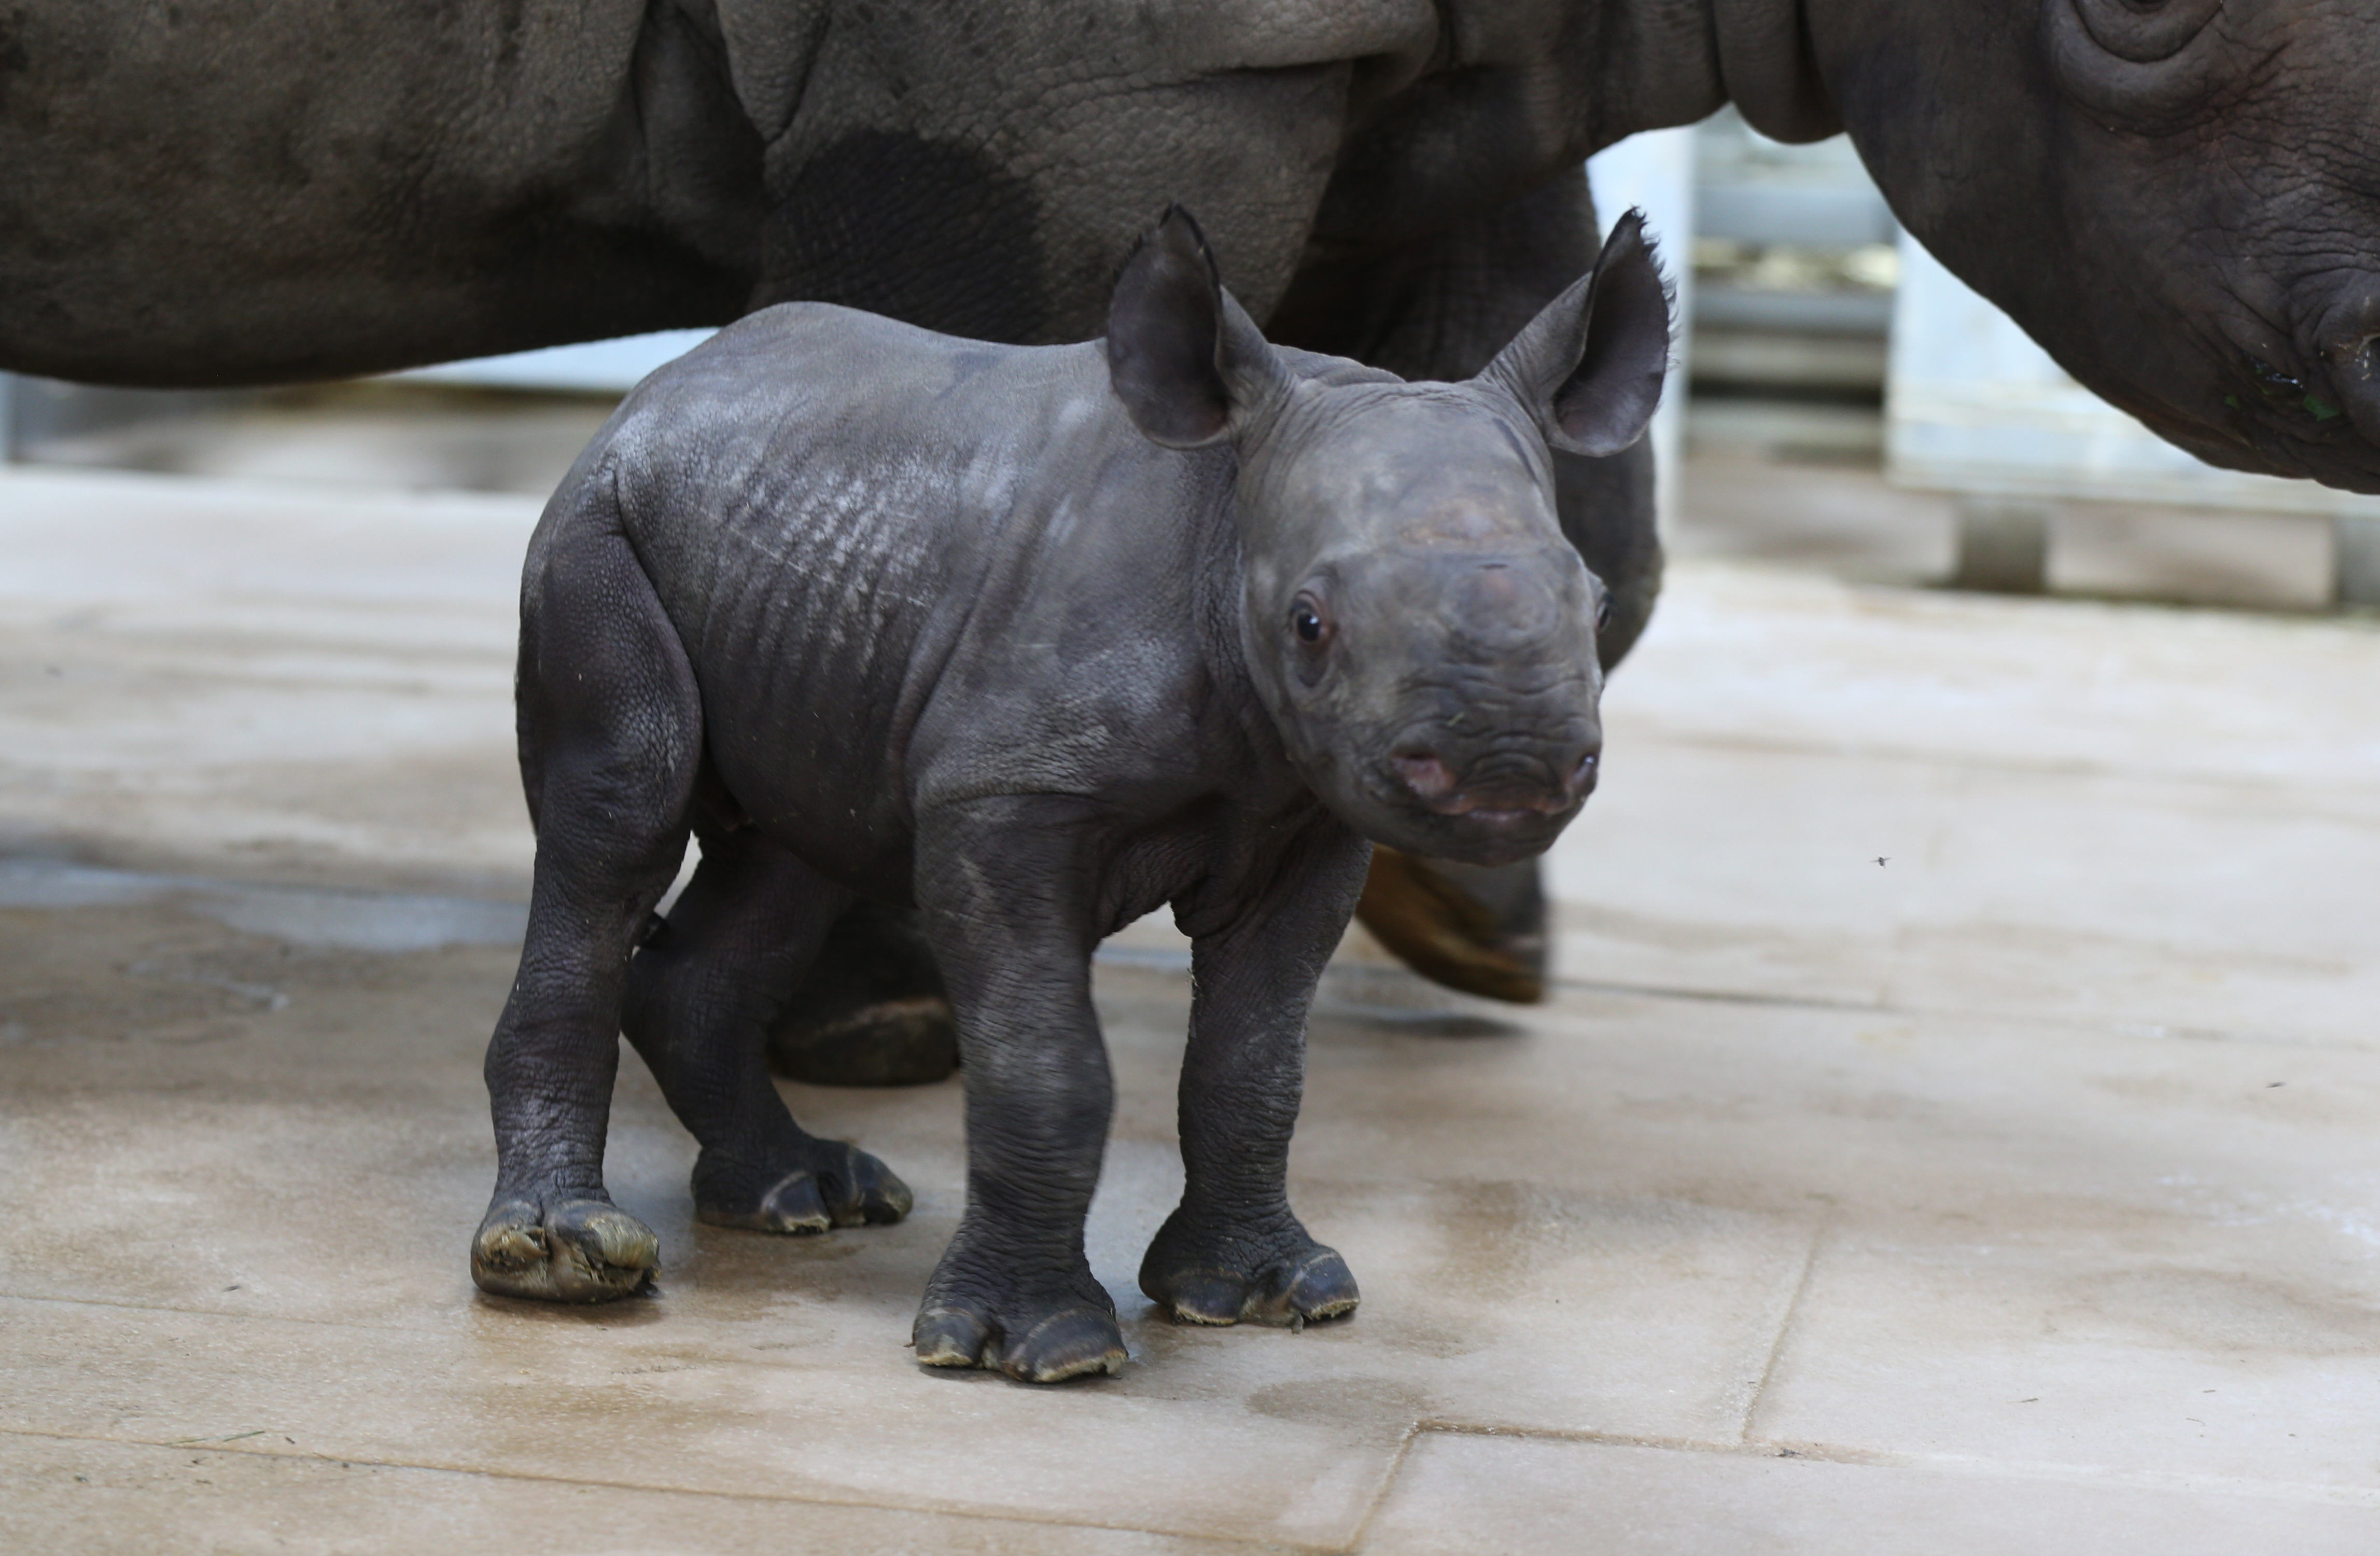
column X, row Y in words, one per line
column 1039, row 639
column 2186, row 212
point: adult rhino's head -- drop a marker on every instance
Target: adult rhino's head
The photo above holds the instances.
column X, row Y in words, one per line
column 2179, row 199
column 1421, row 633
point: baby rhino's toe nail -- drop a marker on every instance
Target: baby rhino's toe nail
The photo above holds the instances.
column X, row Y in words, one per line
column 946, row 1337
column 1070, row 1344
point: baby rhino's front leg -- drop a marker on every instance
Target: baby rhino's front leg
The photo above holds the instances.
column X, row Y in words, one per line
column 1234, row 1250
column 1001, row 884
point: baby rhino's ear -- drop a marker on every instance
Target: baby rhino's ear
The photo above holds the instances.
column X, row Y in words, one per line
column 1589, row 368
column 1188, row 363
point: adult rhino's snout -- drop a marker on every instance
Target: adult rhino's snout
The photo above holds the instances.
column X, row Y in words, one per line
column 2347, row 338
column 2308, row 403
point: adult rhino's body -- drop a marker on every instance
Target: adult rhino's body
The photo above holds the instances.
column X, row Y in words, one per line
column 2175, row 196
column 222, row 191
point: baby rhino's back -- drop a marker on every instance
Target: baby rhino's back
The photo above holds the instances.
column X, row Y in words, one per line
column 818, row 496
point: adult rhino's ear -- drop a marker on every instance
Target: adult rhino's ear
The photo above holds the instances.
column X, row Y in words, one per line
column 1188, row 363
column 1590, row 367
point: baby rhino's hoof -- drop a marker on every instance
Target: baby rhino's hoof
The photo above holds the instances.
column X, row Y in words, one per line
column 1294, row 1288
column 1070, row 1341
column 828, row 1184
column 577, row 1250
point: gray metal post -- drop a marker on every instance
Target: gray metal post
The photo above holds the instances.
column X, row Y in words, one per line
column 2355, row 550
column 2003, row 545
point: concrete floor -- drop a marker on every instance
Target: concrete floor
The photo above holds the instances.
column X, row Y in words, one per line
column 2015, row 1195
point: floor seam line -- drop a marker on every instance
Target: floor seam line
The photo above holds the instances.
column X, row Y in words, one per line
column 1388, row 1487
column 2333, row 1495
column 347, row 1324
column 2227, row 785
column 1719, row 996
column 1580, row 1434
column 1785, row 1327
column 2027, row 1019
column 772, row 1499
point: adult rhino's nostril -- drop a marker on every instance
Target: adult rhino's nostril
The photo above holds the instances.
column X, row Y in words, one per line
column 1425, row 772
column 2351, row 350
column 2355, row 375
column 2353, row 355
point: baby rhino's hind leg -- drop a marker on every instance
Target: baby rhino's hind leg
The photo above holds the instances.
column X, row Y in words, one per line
column 702, row 993
column 610, row 739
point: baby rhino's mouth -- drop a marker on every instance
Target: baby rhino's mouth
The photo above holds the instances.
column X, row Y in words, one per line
column 1505, row 790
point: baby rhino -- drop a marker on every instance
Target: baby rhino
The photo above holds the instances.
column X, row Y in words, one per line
column 1037, row 640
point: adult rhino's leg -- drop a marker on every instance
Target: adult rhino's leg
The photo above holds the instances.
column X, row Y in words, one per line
column 611, row 740
column 871, row 1010
column 1004, row 888
column 701, row 993
column 1233, row 1250
column 1441, row 309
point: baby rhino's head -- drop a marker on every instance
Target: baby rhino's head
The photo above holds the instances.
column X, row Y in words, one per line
column 1422, row 633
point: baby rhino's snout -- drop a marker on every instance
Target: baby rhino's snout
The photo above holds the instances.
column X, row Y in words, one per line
column 1539, row 780
column 1511, row 742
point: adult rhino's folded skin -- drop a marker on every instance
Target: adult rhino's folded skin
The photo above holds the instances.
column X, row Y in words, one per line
column 1034, row 640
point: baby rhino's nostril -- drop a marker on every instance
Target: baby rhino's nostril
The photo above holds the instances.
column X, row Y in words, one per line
column 1426, row 773
column 1582, row 777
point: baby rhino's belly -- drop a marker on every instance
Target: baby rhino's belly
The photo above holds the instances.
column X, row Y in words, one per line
column 801, row 678
column 840, row 812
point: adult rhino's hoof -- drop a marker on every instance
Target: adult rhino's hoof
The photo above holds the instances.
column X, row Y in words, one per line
column 871, row 1011
column 827, row 1184
column 1073, row 1342
column 573, row 1250
column 1297, row 1282
column 1481, row 931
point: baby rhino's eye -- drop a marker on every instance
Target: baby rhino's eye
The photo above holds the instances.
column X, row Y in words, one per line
column 1305, row 619
column 1603, row 611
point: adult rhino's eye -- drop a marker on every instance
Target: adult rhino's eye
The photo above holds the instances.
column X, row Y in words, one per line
column 1603, row 612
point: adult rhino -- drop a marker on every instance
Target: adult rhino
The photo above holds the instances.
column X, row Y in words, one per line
column 2174, row 196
